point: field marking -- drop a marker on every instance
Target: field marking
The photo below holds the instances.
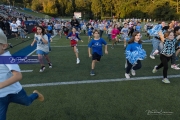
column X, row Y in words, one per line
column 97, row 81
column 26, row 70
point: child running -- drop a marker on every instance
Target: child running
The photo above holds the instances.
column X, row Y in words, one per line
column 166, row 53
column 42, row 47
column 96, row 45
column 90, row 29
column 73, row 36
column 11, row 90
column 114, row 34
column 134, row 54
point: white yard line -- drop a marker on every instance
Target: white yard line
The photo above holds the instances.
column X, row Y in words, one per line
column 26, row 70
column 98, row 81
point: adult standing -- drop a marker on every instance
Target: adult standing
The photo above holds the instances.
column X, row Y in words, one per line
column 75, row 23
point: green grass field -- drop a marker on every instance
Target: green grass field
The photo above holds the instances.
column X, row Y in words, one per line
column 125, row 100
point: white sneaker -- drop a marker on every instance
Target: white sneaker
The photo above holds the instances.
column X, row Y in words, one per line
column 127, row 75
column 175, row 67
column 165, row 80
column 78, row 61
column 154, row 70
column 152, row 57
column 133, row 72
column 42, row 69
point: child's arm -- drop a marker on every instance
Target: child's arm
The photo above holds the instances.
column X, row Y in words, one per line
column 33, row 42
column 44, row 40
column 106, row 51
column 78, row 37
column 89, row 51
column 16, row 77
column 161, row 35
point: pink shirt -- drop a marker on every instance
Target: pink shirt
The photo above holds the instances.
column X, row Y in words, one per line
column 115, row 32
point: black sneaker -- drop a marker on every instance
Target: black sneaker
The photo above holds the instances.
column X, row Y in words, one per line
column 92, row 73
column 42, row 69
column 50, row 65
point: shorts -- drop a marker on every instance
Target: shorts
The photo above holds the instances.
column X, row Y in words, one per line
column 96, row 56
column 58, row 30
column 15, row 32
column 41, row 52
column 73, row 43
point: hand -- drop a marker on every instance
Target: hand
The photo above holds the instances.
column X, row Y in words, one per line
column 106, row 52
column 90, row 55
column 160, row 34
column 178, row 37
column 32, row 44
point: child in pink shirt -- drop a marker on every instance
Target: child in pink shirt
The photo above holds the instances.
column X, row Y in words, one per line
column 114, row 34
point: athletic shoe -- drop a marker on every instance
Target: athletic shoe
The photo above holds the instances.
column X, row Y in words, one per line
column 92, row 73
column 78, row 61
column 127, row 75
column 133, row 72
column 152, row 57
column 42, row 69
column 175, row 67
column 154, row 70
column 165, row 80
column 40, row 96
column 50, row 65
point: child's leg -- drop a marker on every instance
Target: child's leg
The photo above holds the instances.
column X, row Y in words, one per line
column 22, row 98
column 124, row 42
column 47, row 58
column 129, row 66
column 4, row 102
column 137, row 66
column 93, row 64
column 76, row 52
column 40, row 57
column 89, row 37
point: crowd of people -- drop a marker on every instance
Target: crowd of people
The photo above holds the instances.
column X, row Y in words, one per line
column 164, row 41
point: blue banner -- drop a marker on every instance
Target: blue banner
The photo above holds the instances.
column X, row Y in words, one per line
column 19, row 60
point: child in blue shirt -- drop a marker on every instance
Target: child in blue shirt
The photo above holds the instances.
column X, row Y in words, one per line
column 96, row 45
column 134, row 53
column 90, row 30
column 11, row 90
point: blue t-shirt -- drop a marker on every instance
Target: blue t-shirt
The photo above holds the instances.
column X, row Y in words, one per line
column 138, row 28
column 49, row 28
column 96, row 45
column 90, row 30
column 133, row 46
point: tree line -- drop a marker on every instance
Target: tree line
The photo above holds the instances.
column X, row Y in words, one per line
column 154, row 9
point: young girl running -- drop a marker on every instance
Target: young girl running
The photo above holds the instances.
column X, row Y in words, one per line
column 114, row 34
column 73, row 36
column 166, row 53
column 42, row 47
column 134, row 54
column 124, row 32
column 96, row 45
